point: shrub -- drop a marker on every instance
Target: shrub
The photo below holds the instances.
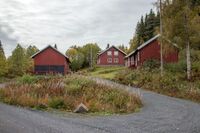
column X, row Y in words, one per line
column 173, row 83
column 180, row 67
column 57, row 103
column 28, row 79
column 151, row 64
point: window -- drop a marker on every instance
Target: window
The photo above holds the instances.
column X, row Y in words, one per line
column 116, row 53
column 116, row 60
column 138, row 56
column 109, row 60
column 109, row 53
column 98, row 61
column 132, row 60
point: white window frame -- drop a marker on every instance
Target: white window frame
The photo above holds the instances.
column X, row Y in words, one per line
column 109, row 60
column 132, row 60
column 126, row 62
column 109, row 53
column 116, row 53
column 99, row 61
column 116, row 60
column 138, row 55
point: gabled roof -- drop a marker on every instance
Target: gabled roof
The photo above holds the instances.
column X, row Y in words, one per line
column 49, row 46
column 110, row 48
column 148, row 42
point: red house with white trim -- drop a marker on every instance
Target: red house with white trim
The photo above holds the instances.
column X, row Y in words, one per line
column 50, row 61
column 112, row 56
column 150, row 50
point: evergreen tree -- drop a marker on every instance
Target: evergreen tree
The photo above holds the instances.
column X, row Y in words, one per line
column 146, row 29
column 150, row 25
column 123, row 48
column 3, row 63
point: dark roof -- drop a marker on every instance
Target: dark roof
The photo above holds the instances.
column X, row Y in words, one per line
column 110, row 48
column 49, row 46
column 147, row 43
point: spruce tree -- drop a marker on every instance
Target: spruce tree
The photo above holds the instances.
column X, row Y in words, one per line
column 150, row 25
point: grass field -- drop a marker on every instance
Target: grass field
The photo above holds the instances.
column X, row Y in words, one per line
column 106, row 72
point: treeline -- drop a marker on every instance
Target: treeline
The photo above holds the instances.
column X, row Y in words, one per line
column 82, row 57
column 18, row 63
column 146, row 28
column 180, row 25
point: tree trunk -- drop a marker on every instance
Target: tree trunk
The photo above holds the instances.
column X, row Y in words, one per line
column 188, row 60
column 161, row 41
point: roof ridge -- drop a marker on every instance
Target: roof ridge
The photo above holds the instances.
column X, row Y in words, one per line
column 111, row 47
column 46, row 48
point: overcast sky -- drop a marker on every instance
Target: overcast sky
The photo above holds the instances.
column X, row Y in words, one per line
column 69, row 22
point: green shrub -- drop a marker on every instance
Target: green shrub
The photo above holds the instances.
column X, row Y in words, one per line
column 196, row 70
column 57, row 103
column 180, row 67
column 151, row 64
column 28, row 79
column 173, row 83
column 41, row 107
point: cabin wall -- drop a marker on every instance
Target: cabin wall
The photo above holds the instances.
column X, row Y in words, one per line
column 52, row 58
column 103, row 58
column 152, row 51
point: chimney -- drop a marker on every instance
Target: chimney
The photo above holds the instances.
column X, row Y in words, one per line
column 55, row 46
column 108, row 46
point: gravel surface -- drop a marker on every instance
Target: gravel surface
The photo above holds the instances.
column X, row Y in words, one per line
column 160, row 114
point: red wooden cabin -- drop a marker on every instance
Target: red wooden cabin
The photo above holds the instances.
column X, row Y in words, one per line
column 50, row 61
column 112, row 56
column 150, row 50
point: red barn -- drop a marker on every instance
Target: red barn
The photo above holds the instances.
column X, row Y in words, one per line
column 150, row 50
column 50, row 61
column 112, row 56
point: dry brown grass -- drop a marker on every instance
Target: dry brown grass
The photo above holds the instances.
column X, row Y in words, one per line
column 67, row 93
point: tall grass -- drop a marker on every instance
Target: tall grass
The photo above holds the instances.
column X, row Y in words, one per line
column 173, row 83
column 67, row 93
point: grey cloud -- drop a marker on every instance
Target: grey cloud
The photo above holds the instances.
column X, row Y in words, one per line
column 68, row 22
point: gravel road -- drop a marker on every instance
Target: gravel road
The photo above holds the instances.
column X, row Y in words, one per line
column 160, row 114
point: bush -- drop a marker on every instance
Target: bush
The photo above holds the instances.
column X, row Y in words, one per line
column 28, row 79
column 151, row 64
column 179, row 67
column 56, row 103
column 173, row 83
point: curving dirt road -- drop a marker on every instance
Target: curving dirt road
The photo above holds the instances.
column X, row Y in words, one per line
column 160, row 114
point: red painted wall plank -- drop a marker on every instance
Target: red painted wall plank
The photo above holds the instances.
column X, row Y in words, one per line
column 103, row 58
column 51, row 57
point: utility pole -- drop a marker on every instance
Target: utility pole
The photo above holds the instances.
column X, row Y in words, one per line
column 161, row 41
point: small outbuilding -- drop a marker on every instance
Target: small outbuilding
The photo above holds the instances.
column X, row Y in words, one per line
column 151, row 50
column 50, row 61
column 112, row 56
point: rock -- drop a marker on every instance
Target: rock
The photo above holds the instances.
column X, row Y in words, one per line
column 81, row 109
